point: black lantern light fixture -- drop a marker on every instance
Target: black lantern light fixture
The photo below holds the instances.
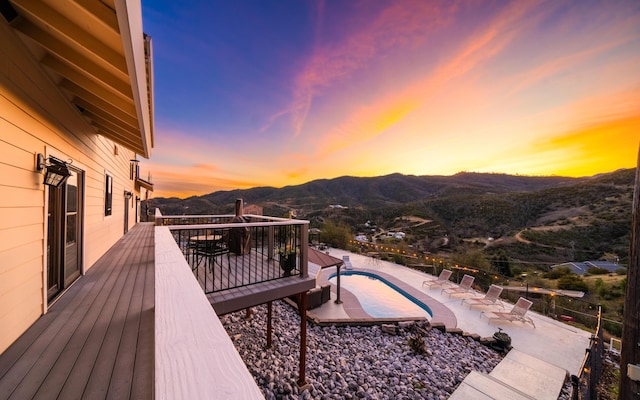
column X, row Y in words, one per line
column 56, row 170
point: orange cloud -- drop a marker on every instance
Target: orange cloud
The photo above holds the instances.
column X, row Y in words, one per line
column 368, row 122
column 365, row 124
column 599, row 148
column 184, row 183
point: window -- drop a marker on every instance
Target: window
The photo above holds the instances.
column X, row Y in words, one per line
column 108, row 194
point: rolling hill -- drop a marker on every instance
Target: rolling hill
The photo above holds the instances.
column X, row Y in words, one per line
column 590, row 216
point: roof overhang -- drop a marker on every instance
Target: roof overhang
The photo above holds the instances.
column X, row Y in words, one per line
column 98, row 55
column 142, row 183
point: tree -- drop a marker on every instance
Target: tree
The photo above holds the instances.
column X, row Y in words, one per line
column 473, row 258
column 501, row 263
column 337, row 236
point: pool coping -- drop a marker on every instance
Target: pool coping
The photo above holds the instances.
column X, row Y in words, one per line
column 352, row 307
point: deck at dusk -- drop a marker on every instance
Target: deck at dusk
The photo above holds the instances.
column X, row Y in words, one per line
column 233, row 282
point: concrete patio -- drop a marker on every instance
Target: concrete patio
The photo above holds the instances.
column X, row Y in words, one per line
column 543, row 355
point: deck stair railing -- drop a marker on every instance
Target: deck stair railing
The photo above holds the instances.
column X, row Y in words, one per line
column 224, row 254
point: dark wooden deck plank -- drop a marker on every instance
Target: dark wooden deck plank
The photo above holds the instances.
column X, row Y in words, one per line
column 235, row 271
column 108, row 328
column 142, row 387
column 62, row 351
column 82, row 348
column 120, row 385
column 235, row 281
column 35, row 363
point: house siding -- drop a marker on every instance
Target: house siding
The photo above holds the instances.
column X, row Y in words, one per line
column 35, row 117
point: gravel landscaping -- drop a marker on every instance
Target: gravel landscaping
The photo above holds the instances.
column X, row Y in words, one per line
column 353, row 362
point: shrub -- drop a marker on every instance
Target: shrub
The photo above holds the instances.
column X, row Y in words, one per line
column 572, row 282
column 597, row 271
column 558, row 273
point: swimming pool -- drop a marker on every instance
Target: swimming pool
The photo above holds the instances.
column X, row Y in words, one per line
column 381, row 298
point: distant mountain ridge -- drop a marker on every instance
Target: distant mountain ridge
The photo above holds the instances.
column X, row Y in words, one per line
column 567, row 218
column 393, row 189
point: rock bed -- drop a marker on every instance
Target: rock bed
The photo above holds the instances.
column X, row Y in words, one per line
column 352, row 362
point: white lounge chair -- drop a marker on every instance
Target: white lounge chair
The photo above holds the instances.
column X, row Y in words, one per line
column 490, row 298
column 463, row 287
column 441, row 280
column 346, row 262
column 517, row 313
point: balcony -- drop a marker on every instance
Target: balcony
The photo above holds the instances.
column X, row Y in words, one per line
column 246, row 261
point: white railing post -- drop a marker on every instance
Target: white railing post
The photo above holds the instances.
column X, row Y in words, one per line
column 304, row 250
column 158, row 217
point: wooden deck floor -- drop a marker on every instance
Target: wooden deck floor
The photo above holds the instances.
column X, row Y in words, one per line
column 227, row 271
column 235, row 282
column 97, row 340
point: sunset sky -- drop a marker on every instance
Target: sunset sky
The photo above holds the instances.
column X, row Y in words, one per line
column 277, row 93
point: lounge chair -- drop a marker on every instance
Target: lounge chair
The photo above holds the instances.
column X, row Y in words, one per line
column 490, row 298
column 463, row 287
column 441, row 280
column 346, row 262
column 517, row 313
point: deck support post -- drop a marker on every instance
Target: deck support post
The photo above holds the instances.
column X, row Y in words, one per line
column 338, row 301
column 269, row 326
column 302, row 308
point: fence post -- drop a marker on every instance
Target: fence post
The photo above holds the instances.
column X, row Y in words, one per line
column 575, row 384
column 631, row 327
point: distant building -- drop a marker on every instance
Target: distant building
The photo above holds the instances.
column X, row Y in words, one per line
column 582, row 268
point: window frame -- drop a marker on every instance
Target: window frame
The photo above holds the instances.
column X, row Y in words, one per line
column 108, row 195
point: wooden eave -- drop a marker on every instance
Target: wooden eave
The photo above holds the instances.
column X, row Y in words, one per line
column 142, row 183
column 97, row 54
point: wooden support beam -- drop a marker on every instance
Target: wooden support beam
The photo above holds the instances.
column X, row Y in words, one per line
column 630, row 353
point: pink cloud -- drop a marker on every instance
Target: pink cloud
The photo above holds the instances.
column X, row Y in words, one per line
column 368, row 122
column 563, row 64
column 402, row 24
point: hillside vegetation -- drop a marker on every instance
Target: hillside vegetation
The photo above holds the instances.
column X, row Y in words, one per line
column 541, row 220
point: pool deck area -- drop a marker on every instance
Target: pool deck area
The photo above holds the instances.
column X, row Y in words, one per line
column 543, row 355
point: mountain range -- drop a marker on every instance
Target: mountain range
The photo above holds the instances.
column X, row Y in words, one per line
column 590, row 215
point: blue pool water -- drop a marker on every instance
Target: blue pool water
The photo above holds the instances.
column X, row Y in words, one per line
column 381, row 298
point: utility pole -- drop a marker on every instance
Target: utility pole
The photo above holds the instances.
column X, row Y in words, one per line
column 630, row 355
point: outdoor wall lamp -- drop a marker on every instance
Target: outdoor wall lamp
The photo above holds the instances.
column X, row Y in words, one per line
column 56, row 170
column 128, row 195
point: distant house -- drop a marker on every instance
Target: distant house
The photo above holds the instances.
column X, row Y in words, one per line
column 362, row 238
column 76, row 99
column 582, row 268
